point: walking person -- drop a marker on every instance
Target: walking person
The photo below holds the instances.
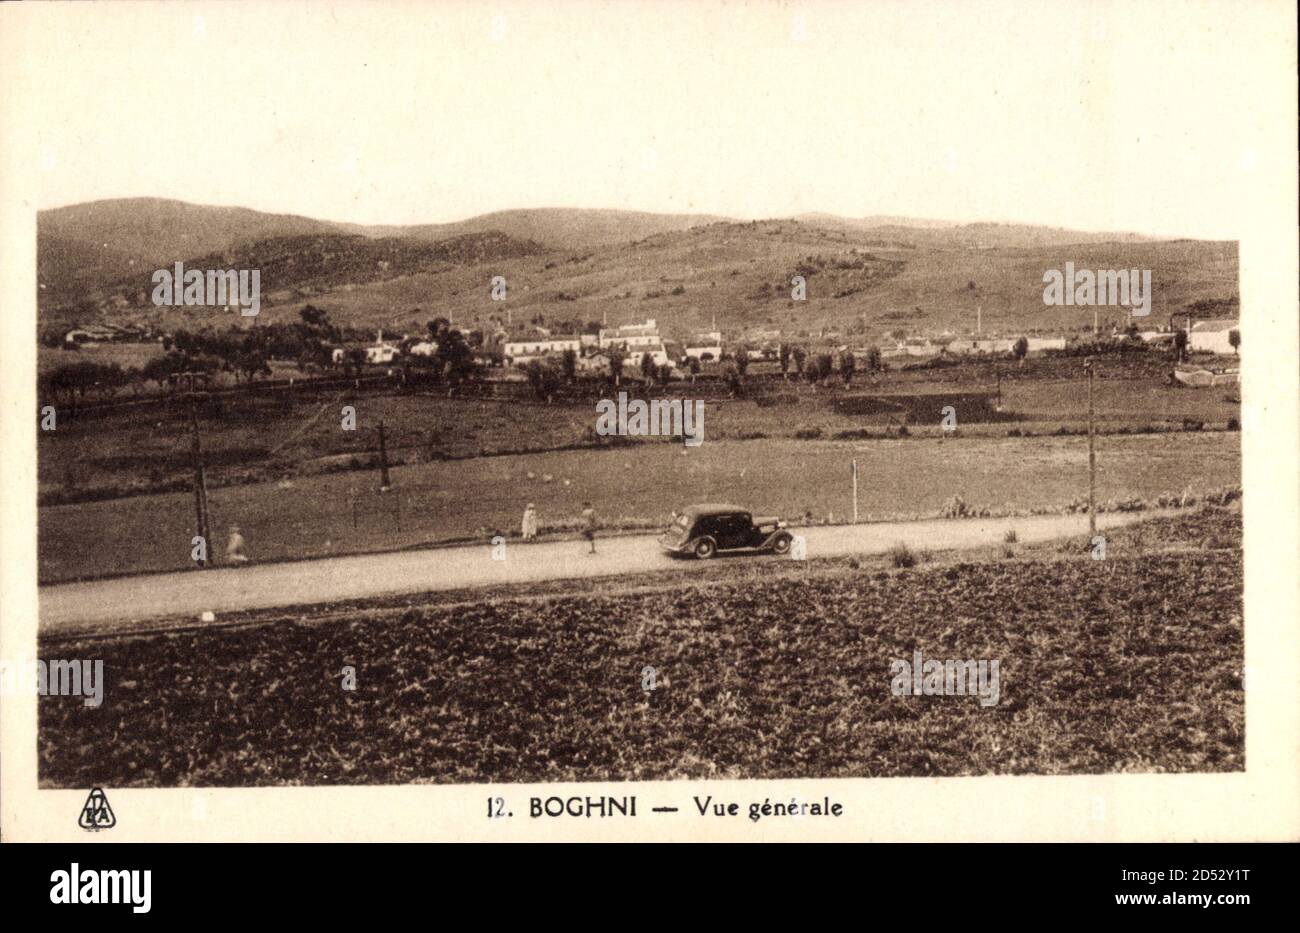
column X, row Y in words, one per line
column 589, row 525
column 236, row 552
column 529, row 528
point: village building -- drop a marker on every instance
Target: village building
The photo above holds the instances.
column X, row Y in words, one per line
column 423, row 348
column 631, row 336
column 1039, row 344
column 594, row 364
column 705, row 347
column 102, row 333
column 1213, row 336
column 636, row 341
column 914, row 346
column 974, row 346
column 521, row 349
column 381, row 351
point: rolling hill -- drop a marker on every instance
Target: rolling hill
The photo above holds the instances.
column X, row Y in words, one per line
column 561, row 228
column 739, row 276
column 872, row 274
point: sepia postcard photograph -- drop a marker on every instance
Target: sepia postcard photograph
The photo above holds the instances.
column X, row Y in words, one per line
column 650, row 420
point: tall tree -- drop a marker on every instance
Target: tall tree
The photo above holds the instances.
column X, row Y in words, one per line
column 848, row 363
column 800, row 358
column 616, row 359
column 1020, row 348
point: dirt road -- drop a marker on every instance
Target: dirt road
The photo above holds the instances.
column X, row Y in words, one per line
column 71, row 607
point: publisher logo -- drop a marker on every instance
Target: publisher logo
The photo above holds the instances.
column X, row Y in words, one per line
column 96, row 814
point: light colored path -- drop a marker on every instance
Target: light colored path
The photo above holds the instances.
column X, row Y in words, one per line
column 67, row 607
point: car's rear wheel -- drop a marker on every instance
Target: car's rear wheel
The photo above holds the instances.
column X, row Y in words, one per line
column 782, row 544
column 705, row 548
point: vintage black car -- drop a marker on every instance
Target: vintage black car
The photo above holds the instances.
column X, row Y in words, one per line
column 704, row 530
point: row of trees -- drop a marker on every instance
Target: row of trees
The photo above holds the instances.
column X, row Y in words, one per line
column 819, row 367
column 75, row 381
column 244, row 353
column 546, row 376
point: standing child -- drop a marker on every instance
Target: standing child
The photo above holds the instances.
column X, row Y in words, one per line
column 589, row 525
column 530, row 523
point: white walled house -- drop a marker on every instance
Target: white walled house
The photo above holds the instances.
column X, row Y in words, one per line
column 706, row 352
column 705, row 346
column 521, row 350
column 381, row 353
column 633, row 337
column 657, row 353
column 972, row 346
column 1038, row 344
column 1212, row 336
column 597, row 363
column 913, row 346
column 424, row 348
column 632, row 355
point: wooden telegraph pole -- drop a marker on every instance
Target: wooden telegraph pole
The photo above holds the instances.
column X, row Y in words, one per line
column 855, row 492
column 200, row 483
column 384, row 482
column 1092, row 458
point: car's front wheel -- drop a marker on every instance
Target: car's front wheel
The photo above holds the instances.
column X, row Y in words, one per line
column 782, row 544
column 705, row 548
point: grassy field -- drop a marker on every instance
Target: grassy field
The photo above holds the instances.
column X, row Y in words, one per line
column 635, row 486
column 1132, row 664
column 263, row 439
column 123, row 354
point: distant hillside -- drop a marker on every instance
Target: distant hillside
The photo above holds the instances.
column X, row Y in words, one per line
column 867, row 223
column 944, row 234
column 163, row 230
column 869, row 275
column 296, row 266
column 561, row 228
column 87, row 246
column 739, row 275
column 99, row 242
column 70, row 269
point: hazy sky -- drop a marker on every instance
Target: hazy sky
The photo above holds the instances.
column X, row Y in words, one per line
column 1104, row 116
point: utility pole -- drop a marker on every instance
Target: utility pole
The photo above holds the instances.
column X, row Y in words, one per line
column 200, row 484
column 1092, row 458
column 384, row 483
column 855, row 492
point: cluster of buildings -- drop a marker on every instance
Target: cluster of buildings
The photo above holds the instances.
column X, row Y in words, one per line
column 1202, row 337
column 645, row 339
column 966, row 346
column 593, row 350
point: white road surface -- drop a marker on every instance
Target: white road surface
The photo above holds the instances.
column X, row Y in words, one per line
column 69, row 607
